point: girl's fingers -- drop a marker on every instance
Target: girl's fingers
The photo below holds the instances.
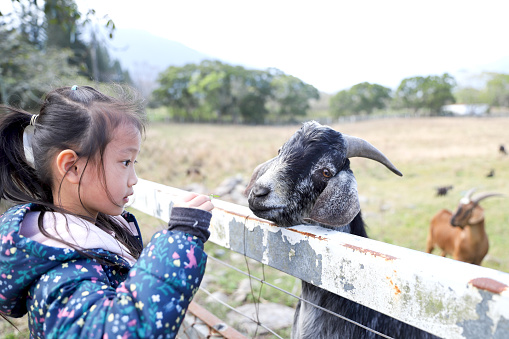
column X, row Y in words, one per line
column 189, row 196
column 207, row 206
column 195, row 200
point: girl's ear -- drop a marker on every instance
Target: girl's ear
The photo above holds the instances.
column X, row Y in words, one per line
column 67, row 166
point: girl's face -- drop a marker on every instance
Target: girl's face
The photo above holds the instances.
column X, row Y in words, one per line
column 109, row 193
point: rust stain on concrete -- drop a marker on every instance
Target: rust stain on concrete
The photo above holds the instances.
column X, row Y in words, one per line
column 311, row 235
column 488, row 284
column 368, row 251
column 247, row 217
column 396, row 288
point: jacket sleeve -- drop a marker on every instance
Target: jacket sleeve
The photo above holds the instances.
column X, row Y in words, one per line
column 192, row 221
column 77, row 300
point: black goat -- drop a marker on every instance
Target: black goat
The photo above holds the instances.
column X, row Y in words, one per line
column 502, row 150
column 443, row 190
column 310, row 181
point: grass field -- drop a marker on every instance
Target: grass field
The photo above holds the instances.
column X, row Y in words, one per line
column 430, row 152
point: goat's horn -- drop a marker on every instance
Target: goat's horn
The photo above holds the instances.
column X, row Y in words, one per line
column 468, row 195
column 482, row 196
column 357, row 147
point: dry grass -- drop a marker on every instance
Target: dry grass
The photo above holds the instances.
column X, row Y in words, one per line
column 220, row 151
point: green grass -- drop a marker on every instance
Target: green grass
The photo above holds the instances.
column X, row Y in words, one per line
column 402, row 216
column 7, row 331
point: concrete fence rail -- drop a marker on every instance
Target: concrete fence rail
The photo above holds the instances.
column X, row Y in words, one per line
column 445, row 297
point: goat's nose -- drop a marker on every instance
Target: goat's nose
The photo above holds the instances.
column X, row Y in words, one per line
column 260, row 191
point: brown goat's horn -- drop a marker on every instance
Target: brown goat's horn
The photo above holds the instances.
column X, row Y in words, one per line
column 468, row 195
column 482, row 196
column 357, row 147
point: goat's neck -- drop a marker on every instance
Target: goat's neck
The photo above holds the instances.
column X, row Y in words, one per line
column 475, row 232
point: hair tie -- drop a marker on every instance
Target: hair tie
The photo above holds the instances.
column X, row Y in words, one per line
column 75, row 87
column 33, row 119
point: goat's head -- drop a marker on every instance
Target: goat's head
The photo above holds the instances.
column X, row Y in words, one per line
column 469, row 212
column 310, row 179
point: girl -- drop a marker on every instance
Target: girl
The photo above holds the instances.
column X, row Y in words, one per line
column 70, row 255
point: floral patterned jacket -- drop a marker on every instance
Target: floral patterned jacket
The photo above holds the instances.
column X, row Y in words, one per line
column 70, row 296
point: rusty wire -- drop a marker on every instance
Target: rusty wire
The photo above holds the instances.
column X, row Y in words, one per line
column 256, row 321
column 262, row 281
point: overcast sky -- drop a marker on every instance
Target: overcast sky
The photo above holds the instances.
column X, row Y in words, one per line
column 331, row 44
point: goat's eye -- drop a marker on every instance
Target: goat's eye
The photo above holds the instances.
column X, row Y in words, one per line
column 326, row 173
column 279, row 150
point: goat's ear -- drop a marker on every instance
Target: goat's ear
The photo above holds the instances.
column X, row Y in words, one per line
column 339, row 202
column 258, row 171
column 476, row 217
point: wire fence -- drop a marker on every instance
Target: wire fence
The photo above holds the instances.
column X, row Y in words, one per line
column 256, row 296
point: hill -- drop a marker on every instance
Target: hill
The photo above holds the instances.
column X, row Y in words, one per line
column 145, row 55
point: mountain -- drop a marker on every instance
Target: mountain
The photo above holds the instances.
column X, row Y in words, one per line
column 145, row 55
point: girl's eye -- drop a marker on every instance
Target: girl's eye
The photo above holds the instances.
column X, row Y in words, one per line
column 326, row 173
column 128, row 162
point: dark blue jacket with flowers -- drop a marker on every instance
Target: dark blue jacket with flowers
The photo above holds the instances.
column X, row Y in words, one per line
column 70, row 296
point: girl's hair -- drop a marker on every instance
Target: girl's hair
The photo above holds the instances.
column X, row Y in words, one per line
column 79, row 118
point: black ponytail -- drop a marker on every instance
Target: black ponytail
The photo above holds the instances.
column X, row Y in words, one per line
column 19, row 182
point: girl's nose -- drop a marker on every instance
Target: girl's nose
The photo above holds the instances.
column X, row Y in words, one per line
column 133, row 179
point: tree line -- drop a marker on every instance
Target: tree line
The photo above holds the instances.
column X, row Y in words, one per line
column 215, row 91
column 420, row 95
column 44, row 46
column 417, row 94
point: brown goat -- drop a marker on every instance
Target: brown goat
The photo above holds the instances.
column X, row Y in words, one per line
column 461, row 234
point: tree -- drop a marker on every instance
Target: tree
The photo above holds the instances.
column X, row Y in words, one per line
column 341, row 104
column 57, row 24
column 62, row 15
column 173, row 90
column 219, row 86
column 213, row 90
column 361, row 98
column 290, row 95
column 64, row 23
column 26, row 72
column 366, row 97
column 431, row 93
column 497, row 89
column 217, row 91
column 468, row 95
column 255, row 91
column 29, row 20
column 252, row 108
column 61, row 23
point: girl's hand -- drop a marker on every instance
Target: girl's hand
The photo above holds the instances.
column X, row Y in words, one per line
column 195, row 200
